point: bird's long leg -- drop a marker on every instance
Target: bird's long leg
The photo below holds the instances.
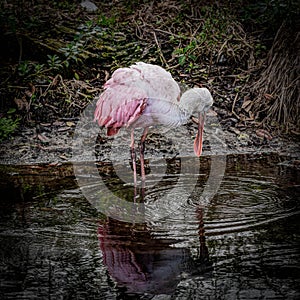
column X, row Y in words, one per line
column 133, row 157
column 142, row 150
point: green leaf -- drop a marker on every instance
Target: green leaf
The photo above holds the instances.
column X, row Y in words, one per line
column 181, row 60
column 11, row 110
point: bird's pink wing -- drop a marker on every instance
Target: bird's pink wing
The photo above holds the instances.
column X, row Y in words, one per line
column 119, row 106
column 156, row 82
column 122, row 76
column 127, row 91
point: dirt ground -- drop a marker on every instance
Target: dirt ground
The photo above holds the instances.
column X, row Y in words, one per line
column 55, row 144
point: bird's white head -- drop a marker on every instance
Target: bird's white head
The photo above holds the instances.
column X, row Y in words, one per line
column 197, row 101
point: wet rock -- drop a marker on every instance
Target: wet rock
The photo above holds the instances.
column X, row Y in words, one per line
column 89, row 6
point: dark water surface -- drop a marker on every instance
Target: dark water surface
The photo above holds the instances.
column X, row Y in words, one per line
column 241, row 244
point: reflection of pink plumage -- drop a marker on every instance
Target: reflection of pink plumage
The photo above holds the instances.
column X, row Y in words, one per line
column 141, row 262
column 145, row 95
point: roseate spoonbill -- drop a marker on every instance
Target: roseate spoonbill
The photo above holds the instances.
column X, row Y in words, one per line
column 144, row 95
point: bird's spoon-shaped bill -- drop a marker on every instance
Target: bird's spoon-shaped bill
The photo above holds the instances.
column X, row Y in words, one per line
column 199, row 136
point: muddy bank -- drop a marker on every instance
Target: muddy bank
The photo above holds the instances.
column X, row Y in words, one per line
column 56, row 143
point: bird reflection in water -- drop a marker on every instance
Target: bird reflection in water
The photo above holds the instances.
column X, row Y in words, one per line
column 141, row 263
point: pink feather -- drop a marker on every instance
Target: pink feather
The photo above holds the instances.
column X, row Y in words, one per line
column 127, row 92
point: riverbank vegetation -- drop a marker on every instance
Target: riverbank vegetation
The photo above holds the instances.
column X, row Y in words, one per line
column 56, row 56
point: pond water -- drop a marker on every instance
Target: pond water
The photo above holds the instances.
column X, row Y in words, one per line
column 241, row 242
